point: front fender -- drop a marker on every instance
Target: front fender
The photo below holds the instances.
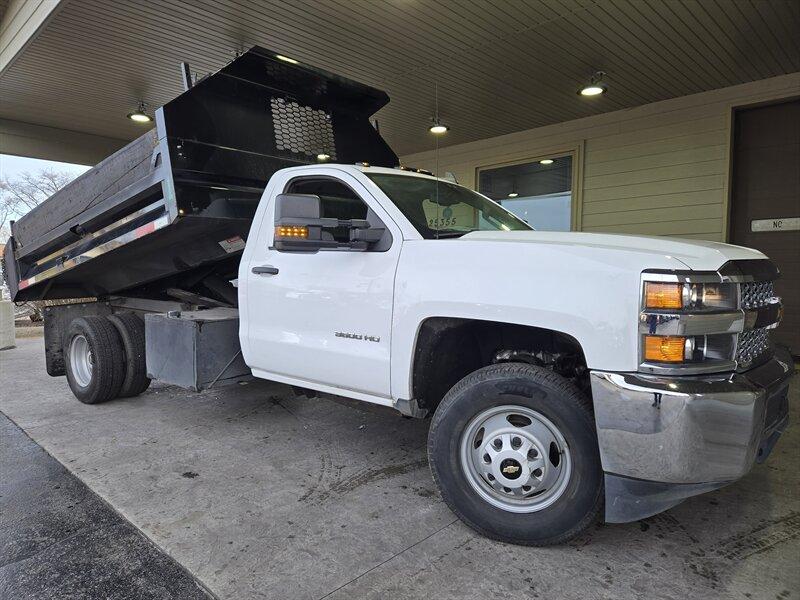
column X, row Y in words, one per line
column 591, row 295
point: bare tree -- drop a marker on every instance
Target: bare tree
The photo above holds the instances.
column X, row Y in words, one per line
column 26, row 192
column 20, row 195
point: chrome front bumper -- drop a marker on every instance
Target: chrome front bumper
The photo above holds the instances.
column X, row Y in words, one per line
column 663, row 439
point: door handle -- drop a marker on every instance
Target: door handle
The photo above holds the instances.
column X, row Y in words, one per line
column 265, row 270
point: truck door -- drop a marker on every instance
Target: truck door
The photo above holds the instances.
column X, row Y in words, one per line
column 323, row 319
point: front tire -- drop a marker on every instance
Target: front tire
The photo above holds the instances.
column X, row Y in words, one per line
column 94, row 360
column 513, row 449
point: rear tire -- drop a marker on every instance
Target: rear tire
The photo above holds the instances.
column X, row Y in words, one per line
column 513, row 449
column 131, row 333
column 94, row 360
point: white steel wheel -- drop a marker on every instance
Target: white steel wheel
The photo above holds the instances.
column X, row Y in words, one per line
column 515, row 458
column 81, row 360
column 513, row 450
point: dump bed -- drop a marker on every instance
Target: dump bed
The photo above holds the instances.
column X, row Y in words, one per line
column 172, row 209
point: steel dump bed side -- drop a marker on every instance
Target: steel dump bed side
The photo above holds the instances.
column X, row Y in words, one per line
column 173, row 208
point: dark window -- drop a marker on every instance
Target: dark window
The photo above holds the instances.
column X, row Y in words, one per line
column 337, row 201
column 539, row 192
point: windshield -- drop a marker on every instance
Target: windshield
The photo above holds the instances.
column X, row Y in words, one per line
column 438, row 209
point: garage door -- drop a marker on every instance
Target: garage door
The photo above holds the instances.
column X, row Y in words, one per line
column 765, row 211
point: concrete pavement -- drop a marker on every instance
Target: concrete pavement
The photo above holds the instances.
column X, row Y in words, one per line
column 260, row 494
column 60, row 540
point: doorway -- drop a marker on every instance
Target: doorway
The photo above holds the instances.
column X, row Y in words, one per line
column 765, row 200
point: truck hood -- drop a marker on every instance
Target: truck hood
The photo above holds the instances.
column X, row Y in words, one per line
column 697, row 255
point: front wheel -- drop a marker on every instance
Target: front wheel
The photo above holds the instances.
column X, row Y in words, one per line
column 513, row 449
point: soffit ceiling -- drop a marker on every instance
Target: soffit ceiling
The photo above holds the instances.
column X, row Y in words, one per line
column 496, row 67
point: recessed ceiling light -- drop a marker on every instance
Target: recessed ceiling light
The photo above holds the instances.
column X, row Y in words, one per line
column 595, row 87
column 291, row 61
column 513, row 195
column 438, row 128
column 323, row 156
column 140, row 115
column 546, row 161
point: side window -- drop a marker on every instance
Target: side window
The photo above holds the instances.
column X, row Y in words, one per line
column 337, row 201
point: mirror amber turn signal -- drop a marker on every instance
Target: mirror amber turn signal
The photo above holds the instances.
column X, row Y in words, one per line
column 299, row 226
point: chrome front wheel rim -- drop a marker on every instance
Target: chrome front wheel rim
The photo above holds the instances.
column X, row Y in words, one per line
column 81, row 360
column 515, row 458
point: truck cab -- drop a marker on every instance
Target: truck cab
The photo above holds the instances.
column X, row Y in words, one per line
column 334, row 300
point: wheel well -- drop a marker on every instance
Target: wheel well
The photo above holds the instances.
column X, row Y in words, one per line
column 449, row 349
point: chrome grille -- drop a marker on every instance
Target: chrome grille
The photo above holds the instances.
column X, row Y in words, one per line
column 752, row 344
column 756, row 294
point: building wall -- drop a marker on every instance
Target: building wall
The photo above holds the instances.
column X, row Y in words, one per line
column 658, row 169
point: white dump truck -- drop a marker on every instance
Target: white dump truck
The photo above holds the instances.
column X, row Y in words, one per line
column 568, row 377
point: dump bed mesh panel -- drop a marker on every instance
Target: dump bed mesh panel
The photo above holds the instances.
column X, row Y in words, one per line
column 302, row 129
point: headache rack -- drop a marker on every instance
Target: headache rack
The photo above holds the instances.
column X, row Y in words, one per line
column 173, row 208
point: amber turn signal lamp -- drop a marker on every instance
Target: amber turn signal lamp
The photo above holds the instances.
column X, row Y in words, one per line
column 664, row 348
column 663, row 295
column 291, row 232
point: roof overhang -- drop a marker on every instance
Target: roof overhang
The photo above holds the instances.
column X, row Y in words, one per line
column 20, row 23
column 78, row 67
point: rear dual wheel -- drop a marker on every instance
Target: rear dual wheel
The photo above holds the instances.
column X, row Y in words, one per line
column 131, row 333
column 513, row 449
column 105, row 358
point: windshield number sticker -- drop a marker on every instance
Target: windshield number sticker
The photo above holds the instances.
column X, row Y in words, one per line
column 448, row 217
column 441, row 223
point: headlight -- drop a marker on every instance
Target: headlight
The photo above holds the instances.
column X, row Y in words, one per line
column 693, row 322
column 688, row 325
column 689, row 297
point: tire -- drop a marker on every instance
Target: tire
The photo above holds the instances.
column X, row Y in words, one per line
column 97, row 339
column 512, row 394
column 131, row 333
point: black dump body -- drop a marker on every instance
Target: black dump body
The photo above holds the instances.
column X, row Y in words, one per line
column 173, row 208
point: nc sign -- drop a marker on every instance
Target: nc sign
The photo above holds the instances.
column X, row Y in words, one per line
column 787, row 224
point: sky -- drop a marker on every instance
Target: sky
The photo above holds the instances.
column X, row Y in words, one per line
column 13, row 166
